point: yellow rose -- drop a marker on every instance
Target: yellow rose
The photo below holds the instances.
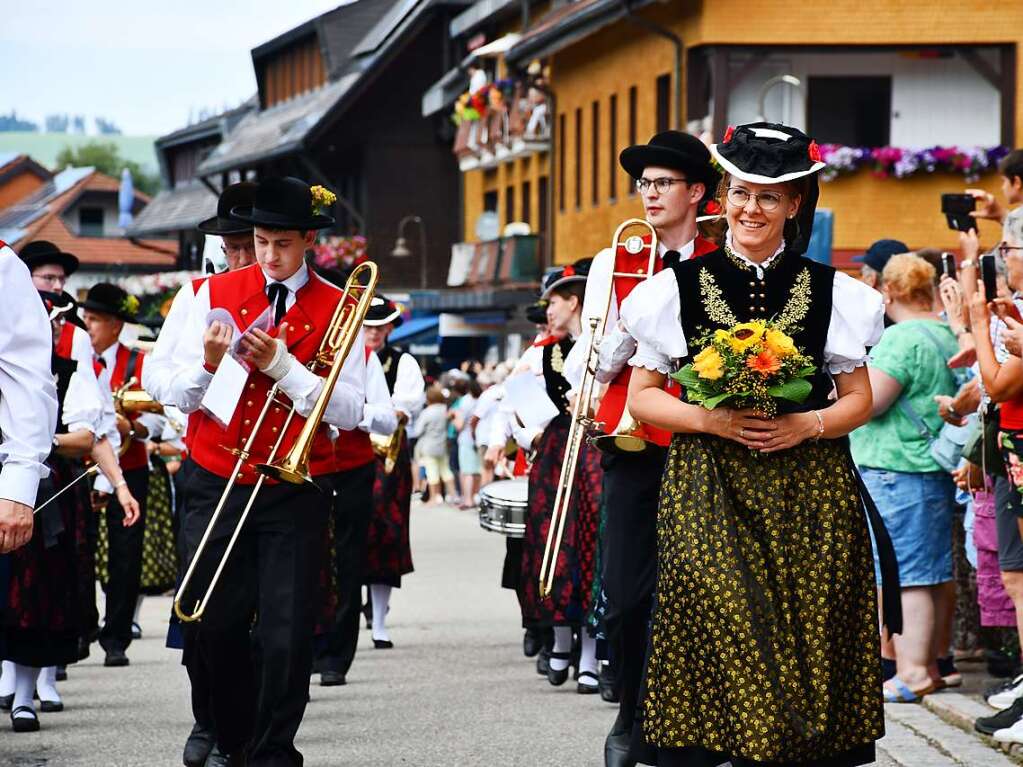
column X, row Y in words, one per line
column 779, row 343
column 709, row 364
column 746, row 334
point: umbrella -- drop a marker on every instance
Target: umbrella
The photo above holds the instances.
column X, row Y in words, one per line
column 125, row 199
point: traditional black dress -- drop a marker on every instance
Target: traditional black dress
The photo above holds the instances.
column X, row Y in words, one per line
column 41, row 620
column 764, row 640
column 572, row 589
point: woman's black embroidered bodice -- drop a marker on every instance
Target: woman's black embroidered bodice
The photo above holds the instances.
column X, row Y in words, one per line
column 718, row 290
column 62, row 369
column 554, row 356
column 389, row 357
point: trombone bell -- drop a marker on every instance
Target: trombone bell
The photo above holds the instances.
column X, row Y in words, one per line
column 629, row 436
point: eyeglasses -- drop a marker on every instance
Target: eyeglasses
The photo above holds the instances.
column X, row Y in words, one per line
column 767, row 201
column 234, row 250
column 1004, row 250
column 51, row 279
column 662, row 184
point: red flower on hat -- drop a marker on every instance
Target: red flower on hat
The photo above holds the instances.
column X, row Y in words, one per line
column 568, row 271
column 712, row 208
column 814, row 151
column 728, row 134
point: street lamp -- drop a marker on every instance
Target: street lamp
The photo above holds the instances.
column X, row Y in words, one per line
column 401, row 249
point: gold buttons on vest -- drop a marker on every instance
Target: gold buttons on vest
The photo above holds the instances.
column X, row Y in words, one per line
column 244, row 312
column 248, row 404
column 247, row 421
column 240, row 476
column 276, row 409
column 252, row 386
column 273, row 429
column 308, row 327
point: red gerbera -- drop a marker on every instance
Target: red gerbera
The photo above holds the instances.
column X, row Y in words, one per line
column 814, row 151
column 728, row 134
column 765, row 363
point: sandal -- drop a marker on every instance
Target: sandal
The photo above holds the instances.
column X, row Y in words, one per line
column 588, row 688
column 902, row 693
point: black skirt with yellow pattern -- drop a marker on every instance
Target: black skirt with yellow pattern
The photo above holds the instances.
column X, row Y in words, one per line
column 765, row 643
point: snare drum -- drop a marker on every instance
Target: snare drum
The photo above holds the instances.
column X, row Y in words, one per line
column 503, row 507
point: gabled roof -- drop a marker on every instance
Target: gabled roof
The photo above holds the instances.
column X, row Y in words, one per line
column 12, row 163
column 175, row 210
column 216, row 125
column 568, row 24
column 39, row 217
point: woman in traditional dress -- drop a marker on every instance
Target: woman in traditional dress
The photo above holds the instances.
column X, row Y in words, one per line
column 568, row 604
column 764, row 640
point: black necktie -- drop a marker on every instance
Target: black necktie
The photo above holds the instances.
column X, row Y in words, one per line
column 99, row 361
column 277, row 292
column 672, row 258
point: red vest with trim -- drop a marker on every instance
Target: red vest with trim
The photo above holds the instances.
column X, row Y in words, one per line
column 243, row 294
column 192, row 422
column 65, row 343
column 136, row 457
column 613, row 403
column 353, row 448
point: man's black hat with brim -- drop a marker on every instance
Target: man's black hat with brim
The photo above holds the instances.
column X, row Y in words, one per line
column 107, row 298
column 41, row 252
column 283, row 203
column 240, row 195
column 381, row 312
column 673, row 149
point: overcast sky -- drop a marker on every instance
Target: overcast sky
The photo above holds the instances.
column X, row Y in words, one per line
column 143, row 64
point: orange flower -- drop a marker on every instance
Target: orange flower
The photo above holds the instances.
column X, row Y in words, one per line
column 766, row 363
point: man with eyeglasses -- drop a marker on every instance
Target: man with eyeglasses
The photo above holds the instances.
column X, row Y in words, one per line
column 673, row 174
column 239, row 249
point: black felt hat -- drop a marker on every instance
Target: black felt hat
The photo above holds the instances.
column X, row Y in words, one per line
column 107, row 298
column 771, row 153
column 283, row 203
column 565, row 275
column 381, row 312
column 537, row 313
column 240, row 195
column 40, row 252
column 673, row 149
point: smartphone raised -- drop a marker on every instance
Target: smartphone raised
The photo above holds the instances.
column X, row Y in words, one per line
column 957, row 209
column 989, row 274
column 948, row 265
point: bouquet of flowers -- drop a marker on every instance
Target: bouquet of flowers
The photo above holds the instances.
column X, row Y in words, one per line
column 341, row 252
column 750, row 365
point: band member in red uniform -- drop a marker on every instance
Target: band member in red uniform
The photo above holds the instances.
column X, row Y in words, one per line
column 389, row 552
column 260, row 671
column 673, row 174
column 239, row 250
column 105, row 310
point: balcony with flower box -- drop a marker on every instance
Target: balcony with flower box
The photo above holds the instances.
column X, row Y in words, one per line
column 499, row 122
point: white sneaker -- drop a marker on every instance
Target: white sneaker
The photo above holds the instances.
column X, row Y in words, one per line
column 1012, row 734
column 1002, row 700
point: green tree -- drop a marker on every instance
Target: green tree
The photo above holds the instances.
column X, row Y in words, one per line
column 105, row 157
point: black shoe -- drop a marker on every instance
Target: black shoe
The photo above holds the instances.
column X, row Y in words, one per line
column 383, row 644
column 51, row 706
column 61, row 673
column 24, row 723
column 218, row 759
column 532, row 643
column 616, row 750
column 115, row 658
column 558, row 678
column 607, row 683
column 83, row 648
column 588, row 689
column 1006, row 684
column 136, row 631
column 198, row 746
column 1004, row 718
column 543, row 659
column 6, row 701
column 332, row 679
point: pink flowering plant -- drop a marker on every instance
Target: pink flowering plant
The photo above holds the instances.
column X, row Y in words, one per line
column 341, row 252
column 897, row 162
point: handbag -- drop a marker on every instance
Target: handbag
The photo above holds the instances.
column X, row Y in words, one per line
column 981, row 448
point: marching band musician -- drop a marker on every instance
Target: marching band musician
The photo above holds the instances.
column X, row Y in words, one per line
column 260, row 684
column 566, row 607
column 239, row 249
column 105, row 310
column 388, row 549
column 673, row 174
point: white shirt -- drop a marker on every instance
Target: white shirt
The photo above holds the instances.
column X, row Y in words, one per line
column 28, row 396
column 652, row 314
column 616, row 345
column 378, row 414
column 159, row 368
column 505, row 423
column 83, row 407
column 189, row 378
column 409, row 387
column 82, row 353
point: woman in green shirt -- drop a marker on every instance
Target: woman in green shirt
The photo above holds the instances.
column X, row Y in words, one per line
column 908, row 369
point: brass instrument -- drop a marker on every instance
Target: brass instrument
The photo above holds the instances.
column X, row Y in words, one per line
column 628, row 436
column 294, row 466
column 129, row 402
column 389, row 447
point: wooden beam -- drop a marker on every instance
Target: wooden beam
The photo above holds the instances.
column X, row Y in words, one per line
column 981, row 67
column 1007, row 86
column 721, row 90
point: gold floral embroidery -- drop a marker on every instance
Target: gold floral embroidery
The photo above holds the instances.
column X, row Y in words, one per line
column 714, row 302
column 798, row 305
column 557, row 359
column 745, row 266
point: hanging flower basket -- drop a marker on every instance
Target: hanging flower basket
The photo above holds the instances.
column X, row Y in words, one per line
column 896, row 162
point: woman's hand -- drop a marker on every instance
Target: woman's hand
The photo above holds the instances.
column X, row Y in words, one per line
column 969, row 477
column 129, row 504
column 790, row 430
column 747, row 427
column 1013, row 338
column 980, row 314
column 1005, row 308
column 987, row 205
column 952, row 300
column 969, row 245
column 947, row 411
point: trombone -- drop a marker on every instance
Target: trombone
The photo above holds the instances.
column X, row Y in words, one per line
column 129, row 401
column 294, row 466
column 389, row 448
column 628, row 436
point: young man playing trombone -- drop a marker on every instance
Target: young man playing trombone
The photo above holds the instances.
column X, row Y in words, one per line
column 283, row 313
column 673, row 174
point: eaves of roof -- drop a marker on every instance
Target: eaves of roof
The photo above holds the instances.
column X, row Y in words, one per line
column 174, row 210
column 569, row 24
column 480, row 13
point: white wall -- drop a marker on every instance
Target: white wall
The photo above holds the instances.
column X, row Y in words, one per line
column 934, row 101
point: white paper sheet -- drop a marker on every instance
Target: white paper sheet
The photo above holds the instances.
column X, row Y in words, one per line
column 529, row 399
column 225, row 391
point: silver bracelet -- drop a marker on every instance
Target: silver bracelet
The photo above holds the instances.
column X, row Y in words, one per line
column 820, row 425
column 122, row 483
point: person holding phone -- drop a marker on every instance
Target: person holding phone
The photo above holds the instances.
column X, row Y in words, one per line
column 987, row 205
